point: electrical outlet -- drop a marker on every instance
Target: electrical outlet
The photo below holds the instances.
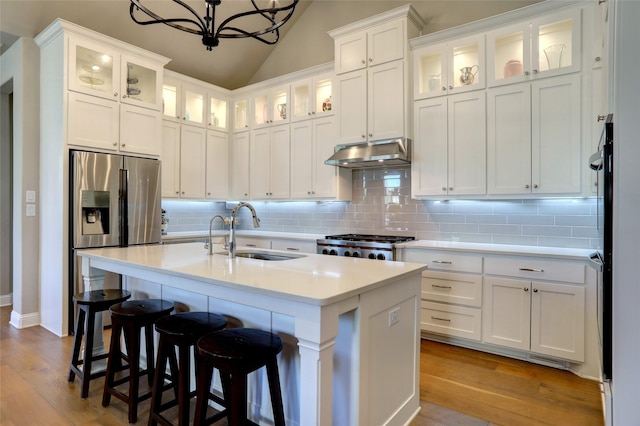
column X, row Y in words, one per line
column 394, row 316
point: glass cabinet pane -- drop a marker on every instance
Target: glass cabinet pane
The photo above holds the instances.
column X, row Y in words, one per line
column 193, row 107
column 141, row 83
column 279, row 106
column 94, row 72
column 555, row 45
column 508, row 55
column 465, row 68
column 241, row 108
column 260, row 110
column 324, row 102
column 301, row 97
column 170, row 101
column 217, row 113
column 430, row 73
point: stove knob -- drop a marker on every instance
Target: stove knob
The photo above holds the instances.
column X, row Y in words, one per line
column 325, row 251
column 372, row 256
column 381, row 257
column 356, row 254
column 332, row 252
column 347, row 253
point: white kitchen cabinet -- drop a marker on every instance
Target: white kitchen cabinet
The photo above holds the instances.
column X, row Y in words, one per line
column 270, row 106
column 312, row 142
column 535, row 305
column 193, row 156
column 171, row 98
column 382, row 43
column 448, row 68
column 217, row 165
column 449, row 146
column 546, row 46
column 170, row 158
column 241, row 113
column 239, row 166
column 269, row 163
column 312, row 97
column 534, row 137
column 382, row 116
column 140, row 130
column 193, row 105
column 301, row 246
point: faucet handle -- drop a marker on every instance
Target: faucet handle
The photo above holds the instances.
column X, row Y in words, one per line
column 227, row 221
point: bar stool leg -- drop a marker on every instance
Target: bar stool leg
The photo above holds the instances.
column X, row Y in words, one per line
column 237, row 413
column 205, row 371
column 77, row 343
column 133, row 351
column 276, row 394
column 112, row 366
column 88, row 352
column 148, row 334
column 156, row 392
column 183, row 385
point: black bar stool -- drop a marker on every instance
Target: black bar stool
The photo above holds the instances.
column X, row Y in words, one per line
column 131, row 317
column 236, row 353
column 181, row 330
column 89, row 304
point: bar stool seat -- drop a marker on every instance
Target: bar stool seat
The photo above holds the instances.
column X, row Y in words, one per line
column 89, row 304
column 236, row 353
column 130, row 318
column 180, row 330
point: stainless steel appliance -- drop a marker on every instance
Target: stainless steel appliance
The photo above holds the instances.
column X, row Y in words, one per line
column 602, row 163
column 115, row 201
column 380, row 247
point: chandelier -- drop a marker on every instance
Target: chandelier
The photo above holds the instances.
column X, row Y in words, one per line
column 268, row 32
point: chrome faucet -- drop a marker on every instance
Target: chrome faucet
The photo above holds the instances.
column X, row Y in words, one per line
column 209, row 245
column 232, row 229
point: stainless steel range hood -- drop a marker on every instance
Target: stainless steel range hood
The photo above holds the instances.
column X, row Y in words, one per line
column 383, row 153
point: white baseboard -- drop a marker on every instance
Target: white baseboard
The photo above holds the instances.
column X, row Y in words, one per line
column 24, row 321
column 6, row 300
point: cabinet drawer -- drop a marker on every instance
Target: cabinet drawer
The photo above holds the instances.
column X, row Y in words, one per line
column 253, row 243
column 294, row 245
column 536, row 268
column 446, row 261
column 451, row 320
column 463, row 289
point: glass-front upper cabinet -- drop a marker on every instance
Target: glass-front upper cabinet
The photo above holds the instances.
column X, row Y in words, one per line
column 140, row 83
column 544, row 47
column 271, row 107
column 193, row 105
column 217, row 112
column 312, row 98
column 171, row 99
column 453, row 67
column 240, row 114
column 93, row 69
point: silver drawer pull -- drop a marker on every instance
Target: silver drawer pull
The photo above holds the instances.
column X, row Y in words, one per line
column 531, row 270
column 440, row 286
column 293, row 249
column 440, row 319
column 445, row 262
column 249, row 245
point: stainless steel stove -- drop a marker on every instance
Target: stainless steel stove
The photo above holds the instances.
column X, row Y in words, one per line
column 381, row 247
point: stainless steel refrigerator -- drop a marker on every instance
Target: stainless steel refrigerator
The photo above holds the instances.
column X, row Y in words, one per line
column 115, row 202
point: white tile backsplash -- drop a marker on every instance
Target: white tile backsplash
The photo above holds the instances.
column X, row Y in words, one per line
column 381, row 204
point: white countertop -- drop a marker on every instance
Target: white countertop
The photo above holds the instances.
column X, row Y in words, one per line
column 243, row 232
column 565, row 253
column 313, row 278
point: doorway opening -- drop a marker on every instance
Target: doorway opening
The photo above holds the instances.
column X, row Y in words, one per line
column 6, row 194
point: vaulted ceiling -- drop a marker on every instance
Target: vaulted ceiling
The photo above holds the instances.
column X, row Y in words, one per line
column 234, row 63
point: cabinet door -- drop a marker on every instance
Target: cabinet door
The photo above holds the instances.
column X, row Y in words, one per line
column 506, row 312
column 386, row 101
column 140, row 83
column 239, row 163
column 170, row 159
column 556, row 44
column 193, row 105
column 467, row 144
column 217, row 175
column 508, row 55
column 140, row 130
column 93, row 69
column 92, row 122
column 280, row 162
column 352, row 93
column 509, row 139
column 430, row 71
column 386, row 42
column 171, row 100
column 260, row 164
column 301, row 100
column 429, row 163
column 466, row 66
column 217, row 107
column 325, row 184
column 193, row 157
column 302, row 160
column 556, row 135
column 351, row 52
column 557, row 320
column 241, row 114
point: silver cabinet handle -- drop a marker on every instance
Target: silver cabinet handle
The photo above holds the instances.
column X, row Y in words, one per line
column 115, row 94
column 531, row 270
column 535, row 290
column 526, row 73
column 249, row 245
column 293, row 249
column 450, row 87
column 115, row 144
column 444, row 188
column 446, row 262
column 526, row 289
column 535, row 186
column 364, row 62
column 451, row 188
column 440, row 286
column 535, row 71
column 526, row 186
column 370, row 59
column 440, row 319
column 444, row 89
column 370, row 135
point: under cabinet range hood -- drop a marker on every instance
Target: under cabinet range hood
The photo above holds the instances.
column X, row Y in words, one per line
column 383, row 153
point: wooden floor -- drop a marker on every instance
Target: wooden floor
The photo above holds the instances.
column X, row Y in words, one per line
column 457, row 387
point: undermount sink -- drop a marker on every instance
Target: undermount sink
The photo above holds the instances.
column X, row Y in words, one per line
column 260, row 255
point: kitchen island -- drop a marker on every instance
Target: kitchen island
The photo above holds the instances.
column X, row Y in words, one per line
column 350, row 327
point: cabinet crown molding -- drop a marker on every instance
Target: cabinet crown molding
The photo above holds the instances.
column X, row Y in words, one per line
column 406, row 11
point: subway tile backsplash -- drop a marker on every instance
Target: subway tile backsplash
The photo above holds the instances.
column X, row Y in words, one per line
column 382, row 204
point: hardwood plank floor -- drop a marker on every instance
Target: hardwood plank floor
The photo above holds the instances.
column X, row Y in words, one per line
column 458, row 387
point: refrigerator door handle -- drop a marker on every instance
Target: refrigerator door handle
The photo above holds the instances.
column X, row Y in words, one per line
column 124, row 208
column 595, row 261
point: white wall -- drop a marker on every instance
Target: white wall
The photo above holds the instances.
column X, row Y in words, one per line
column 626, row 251
column 21, row 62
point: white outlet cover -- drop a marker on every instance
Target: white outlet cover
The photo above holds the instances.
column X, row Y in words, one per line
column 31, row 210
column 31, row 196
